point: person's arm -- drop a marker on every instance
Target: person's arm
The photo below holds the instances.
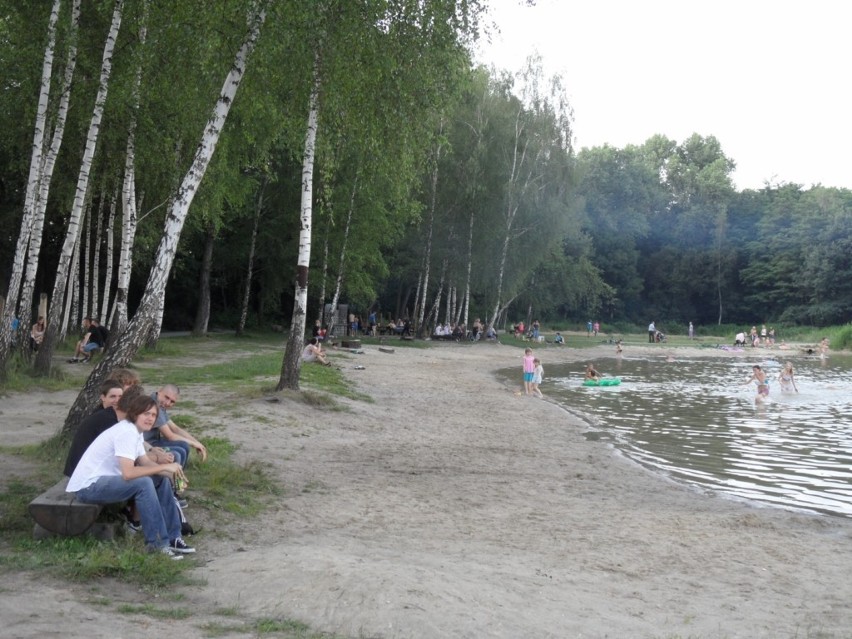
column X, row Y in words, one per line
column 146, row 468
column 157, row 454
column 172, row 432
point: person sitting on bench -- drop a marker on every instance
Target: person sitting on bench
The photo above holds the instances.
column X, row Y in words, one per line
column 168, row 435
column 115, row 468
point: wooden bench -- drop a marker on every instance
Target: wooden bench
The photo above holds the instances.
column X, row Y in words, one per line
column 59, row 512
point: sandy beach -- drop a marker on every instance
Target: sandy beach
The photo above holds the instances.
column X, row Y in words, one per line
column 453, row 506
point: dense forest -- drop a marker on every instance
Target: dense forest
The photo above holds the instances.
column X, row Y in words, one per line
column 355, row 155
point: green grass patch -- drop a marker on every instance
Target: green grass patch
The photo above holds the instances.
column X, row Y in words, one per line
column 155, row 611
column 21, row 378
column 328, row 379
column 84, row 559
column 14, row 519
column 220, row 485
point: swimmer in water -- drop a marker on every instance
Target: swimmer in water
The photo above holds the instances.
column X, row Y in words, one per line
column 591, row 373
column 788, row 384
column 762, row 385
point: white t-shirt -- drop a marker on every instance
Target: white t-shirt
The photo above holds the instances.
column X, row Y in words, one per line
column 101, row 457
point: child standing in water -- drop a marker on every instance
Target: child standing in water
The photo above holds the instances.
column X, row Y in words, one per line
column 759, row 377
column 529, row 370
column 788, row 384
column 538, row 373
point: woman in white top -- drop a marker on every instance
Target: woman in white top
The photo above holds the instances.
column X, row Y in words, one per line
column 313, row 353
column 115, row 468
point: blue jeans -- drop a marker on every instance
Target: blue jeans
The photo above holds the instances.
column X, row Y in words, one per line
column 156, row 505
column 179, row 449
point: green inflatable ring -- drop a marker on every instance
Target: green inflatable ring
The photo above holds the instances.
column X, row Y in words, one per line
column 606, row 381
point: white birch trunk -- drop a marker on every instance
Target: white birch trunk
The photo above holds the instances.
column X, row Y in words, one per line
column 48, row 166
column 96, row 258
column 202, row 314
column 468, row 274
column 33, row 182
column 427, row 259
column 341, row 264
column 128, row 196
column 291, row 363
column 241, row 327
column 45, row 353
column 122, row 351
column 417, row 292
column 86, row 227
column 72, row 294
column 436, row 305
column 323, row 278
column 156, row 324
column 110, row 232
column 516, row 187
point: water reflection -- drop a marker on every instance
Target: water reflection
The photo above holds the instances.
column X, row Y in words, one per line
column 695, row 420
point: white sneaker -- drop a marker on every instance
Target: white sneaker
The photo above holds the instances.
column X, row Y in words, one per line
column 166, row 550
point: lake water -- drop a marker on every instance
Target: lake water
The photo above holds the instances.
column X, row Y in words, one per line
column 694, row 420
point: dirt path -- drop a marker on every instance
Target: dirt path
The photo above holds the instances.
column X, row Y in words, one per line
column 453, row 507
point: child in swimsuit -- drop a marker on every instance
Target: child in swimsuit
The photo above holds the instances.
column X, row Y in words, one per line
column 762, row 384
column 788, row 384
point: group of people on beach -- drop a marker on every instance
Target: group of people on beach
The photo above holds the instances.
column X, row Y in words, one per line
column 130, row 451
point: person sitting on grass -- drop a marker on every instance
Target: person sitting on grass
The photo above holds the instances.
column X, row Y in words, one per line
column 115, row 468
column 37, row 334
column 558, row 339
column 313, row 353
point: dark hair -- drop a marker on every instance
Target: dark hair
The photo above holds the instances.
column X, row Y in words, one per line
column 124, row 376
column 138, row 405
column 313, row 341
column 108, row 384
column 128, row 396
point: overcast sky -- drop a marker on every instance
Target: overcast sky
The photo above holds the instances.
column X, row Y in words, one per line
column 771, row 80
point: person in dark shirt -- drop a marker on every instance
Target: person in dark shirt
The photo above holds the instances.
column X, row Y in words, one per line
column 94, row 338
column 94, row 424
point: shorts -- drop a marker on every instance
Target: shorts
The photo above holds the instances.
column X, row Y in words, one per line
column 528, row 377
column 763, row 389
column 91, row 346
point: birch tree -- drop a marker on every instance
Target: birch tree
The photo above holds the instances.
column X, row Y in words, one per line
column 258, row 210
column 45, row 353
column 118, row 318
column 290, row 365
column 48, row 165
column 537, row 175
column 126, row 345
column 110, row 241
column 32, row 187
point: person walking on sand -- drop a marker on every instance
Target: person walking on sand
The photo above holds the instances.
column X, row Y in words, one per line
column 788, row 384
column 538, row 374
column 759, row 377
column 529, row 370
column 652, row 332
